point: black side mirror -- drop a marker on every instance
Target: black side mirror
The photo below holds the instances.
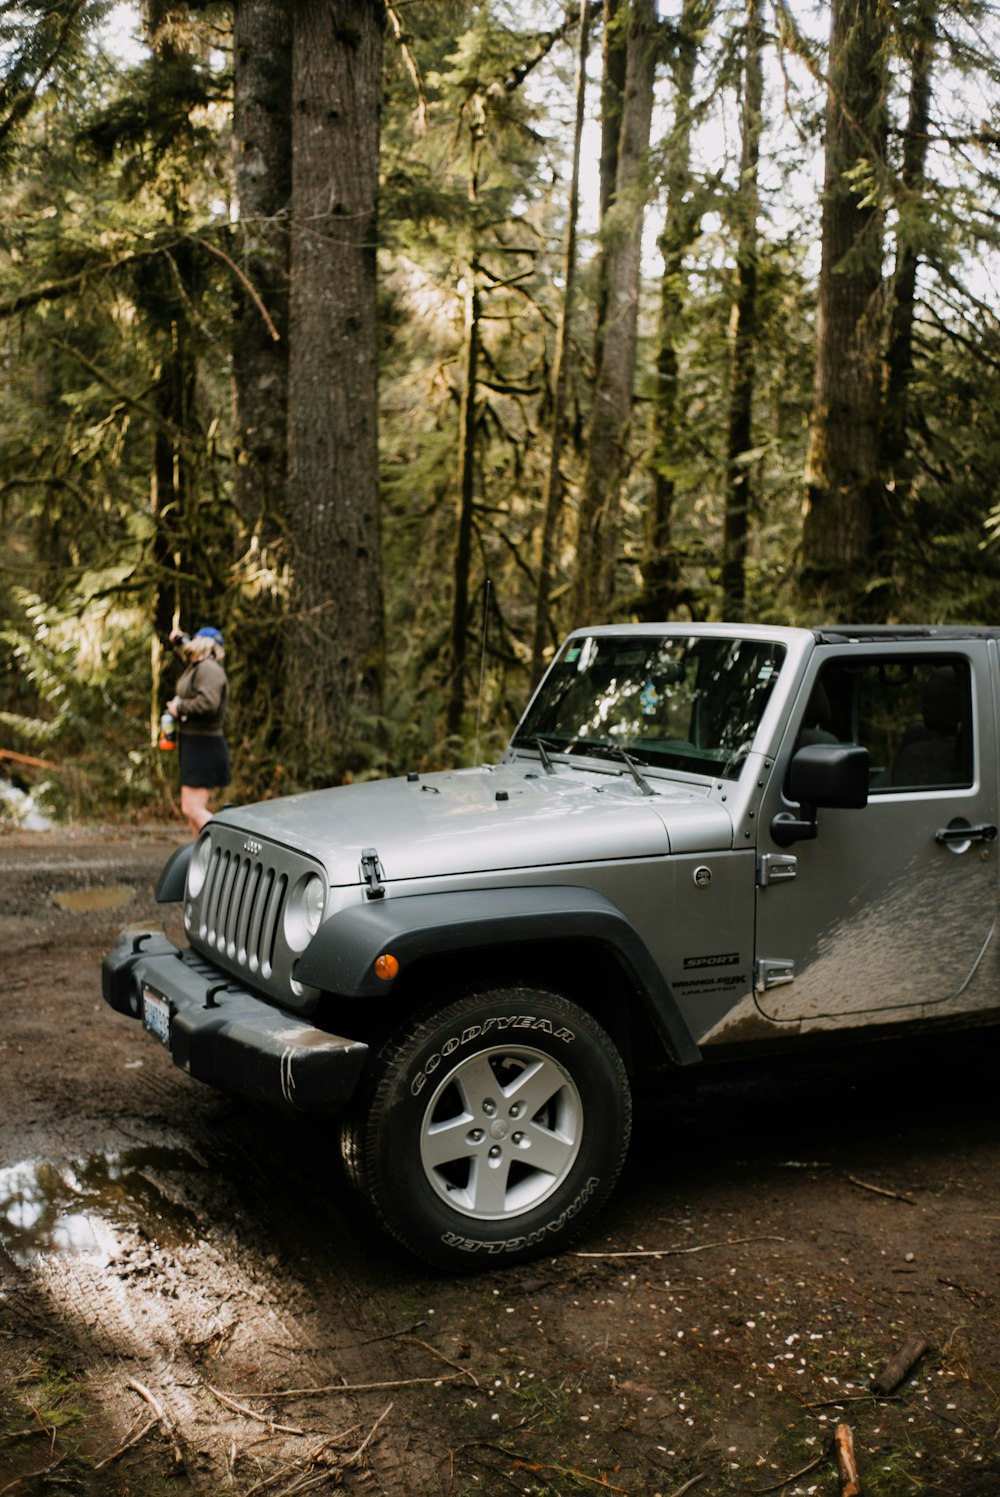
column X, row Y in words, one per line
column 834, row 775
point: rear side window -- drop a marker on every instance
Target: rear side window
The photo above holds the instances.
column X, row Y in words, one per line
column 912, row 713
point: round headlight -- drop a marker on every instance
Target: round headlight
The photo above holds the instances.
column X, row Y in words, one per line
column 304, row 911
column 198, row 868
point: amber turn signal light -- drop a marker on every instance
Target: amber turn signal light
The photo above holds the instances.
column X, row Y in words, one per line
column 386, row 966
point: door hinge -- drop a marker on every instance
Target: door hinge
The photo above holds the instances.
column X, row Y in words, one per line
column 772, row 972
column 371, row 873
column 775, row 868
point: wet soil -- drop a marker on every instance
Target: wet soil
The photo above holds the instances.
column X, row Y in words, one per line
column 191, row 1300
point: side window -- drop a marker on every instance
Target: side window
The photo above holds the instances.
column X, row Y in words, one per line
column 912, row 713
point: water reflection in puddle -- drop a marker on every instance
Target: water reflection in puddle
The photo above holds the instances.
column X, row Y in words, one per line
column 109, row 897
column 73, row 1208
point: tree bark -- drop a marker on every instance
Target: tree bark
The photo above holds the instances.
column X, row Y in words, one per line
column 263, row 176
column 842, row 463
column 895, row 466
column 661, row 592
column 262, row 148
column 543, row 633
column 743, row 329
column 334, row 665
column 621, row 232
column 466, row 506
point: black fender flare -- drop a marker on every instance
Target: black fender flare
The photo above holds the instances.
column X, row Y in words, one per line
column 173, row 875
column 341, row 957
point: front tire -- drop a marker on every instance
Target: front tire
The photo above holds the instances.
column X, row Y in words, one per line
column 491, row 1130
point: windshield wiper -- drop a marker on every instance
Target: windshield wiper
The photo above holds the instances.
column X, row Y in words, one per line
column 631, row 765
column 536, row 742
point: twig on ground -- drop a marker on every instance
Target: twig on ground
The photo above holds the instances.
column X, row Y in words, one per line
column 127, row 1446
column 356, row 1456
column 793, row 1475
column 879, row 1190
column 161, row 1417
column 406, row 1382
column 688, row 1485
column 847, row 1466
column 462, row 1371
column 31, row 1476
column 241, row 1408
column 702, row 1247
column 541, row 1467
column 335, row 1465
column 524, row 1463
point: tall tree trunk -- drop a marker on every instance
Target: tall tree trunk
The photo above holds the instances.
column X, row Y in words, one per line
column 896, row 466
column 842, row 463
column 262, row 61
column 466, row 506
column 334, row 662
column 614, row 65
column 743, row 328
column 661, row 592
column 621, row 252
column 166, row 301
column 262, row 140
column 543, row 634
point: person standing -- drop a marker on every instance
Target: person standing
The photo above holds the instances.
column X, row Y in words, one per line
column 199, row 705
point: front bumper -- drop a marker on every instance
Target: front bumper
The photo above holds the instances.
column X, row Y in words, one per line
column 221, row 1033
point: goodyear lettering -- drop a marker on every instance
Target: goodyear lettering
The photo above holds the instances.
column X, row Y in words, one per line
column 527, row 1239
column 496, row 1023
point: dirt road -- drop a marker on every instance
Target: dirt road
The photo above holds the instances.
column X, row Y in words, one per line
column 190, row 1300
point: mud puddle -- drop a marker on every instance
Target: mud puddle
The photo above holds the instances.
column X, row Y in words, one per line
column 74, row 1208
column 87, row 901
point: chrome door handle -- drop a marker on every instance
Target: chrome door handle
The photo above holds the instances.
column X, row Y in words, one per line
column 982, row 833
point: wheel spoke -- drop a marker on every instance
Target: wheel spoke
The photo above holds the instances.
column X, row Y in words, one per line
column 549, row 1151
column 536, row 1085
column 477, row 1083
column 488, row 1187
column 444, row 1142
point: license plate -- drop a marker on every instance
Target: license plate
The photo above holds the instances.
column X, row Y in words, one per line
column 156, row 1015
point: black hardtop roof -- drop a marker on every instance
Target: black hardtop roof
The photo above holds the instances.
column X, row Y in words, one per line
column 839, row 634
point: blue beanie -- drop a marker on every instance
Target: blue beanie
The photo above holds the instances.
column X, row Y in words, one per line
column 209, row 633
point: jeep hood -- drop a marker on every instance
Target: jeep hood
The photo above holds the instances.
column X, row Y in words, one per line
column 484, row 820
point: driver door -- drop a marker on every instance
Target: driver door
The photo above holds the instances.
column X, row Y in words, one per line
column 890, row 907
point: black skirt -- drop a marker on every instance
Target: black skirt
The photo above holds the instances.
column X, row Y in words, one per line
column 204, row 761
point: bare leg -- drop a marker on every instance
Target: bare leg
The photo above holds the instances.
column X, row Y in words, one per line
column 194, row 807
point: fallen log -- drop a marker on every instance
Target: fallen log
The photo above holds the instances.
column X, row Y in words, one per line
column 899, row 1366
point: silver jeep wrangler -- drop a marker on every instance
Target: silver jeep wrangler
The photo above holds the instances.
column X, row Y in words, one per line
column 702, row 839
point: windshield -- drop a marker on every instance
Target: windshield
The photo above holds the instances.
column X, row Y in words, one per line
column 674, row 703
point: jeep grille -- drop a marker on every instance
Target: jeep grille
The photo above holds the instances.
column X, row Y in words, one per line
column 236, row 917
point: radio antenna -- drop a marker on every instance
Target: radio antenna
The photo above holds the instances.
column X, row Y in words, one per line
column 487, row 591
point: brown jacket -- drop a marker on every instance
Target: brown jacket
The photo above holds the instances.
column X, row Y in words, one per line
column 203, row 692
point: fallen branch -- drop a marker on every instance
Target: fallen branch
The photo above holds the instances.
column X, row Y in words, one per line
column 785, row 1481
column 899, row 1366
column 31, row 1476
column 161, row 1417
column 355, row 1457
column 334, row 1466
column 847, row 1466
column 241, row 1408
column 679, row 1252
column 462, row 1371
column 127, row 1446
column 407, row 1382
column 688, row 1485
column 540, row 1466
column 879, row 1190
